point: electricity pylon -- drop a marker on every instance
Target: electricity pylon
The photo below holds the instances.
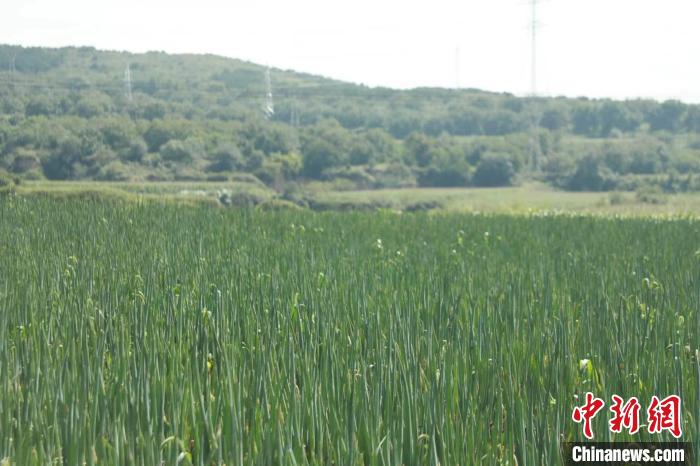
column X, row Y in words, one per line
column 269, row 102
column 127, row 82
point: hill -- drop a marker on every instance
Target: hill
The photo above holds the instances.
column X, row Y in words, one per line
column 69, row 113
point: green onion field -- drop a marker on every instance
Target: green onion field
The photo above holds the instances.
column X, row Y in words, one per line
column 144, row 333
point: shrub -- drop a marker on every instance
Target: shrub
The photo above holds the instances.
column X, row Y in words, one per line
column 217, row 177
column 453, row 175
column 240, row 198
column 114, row 171
column 494, row 170
column 227, row 157
column 7, row 184
column 135, row 151
column 176, row 151
column 34, row 175
column 423, row 205
column 393, row 175
column 277, row 205
column 294, row 194
column 182, row 151
column 591, row 175
column 651, row 195
column 24, row 161
column 239, row 177
column 616, row 198
column 359, row 176
column 187, row 173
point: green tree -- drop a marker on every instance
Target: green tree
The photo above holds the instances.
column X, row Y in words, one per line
column 494, row 170
column 92, row 104
column 154, row 110
column 40, row 105
column 466, row 122
column 591, row 174
column 182, row 151
column 501, row 122
column 160, row 132
column 420, row 149
column 135, row 151
column 555, row 119
column 63, row 161
column 692, row 119
column 324, row 146
column 616, row 115
column 585, row 120
column 667, row 116
column 226, row 157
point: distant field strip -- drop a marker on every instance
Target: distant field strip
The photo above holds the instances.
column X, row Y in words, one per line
column 525, row 199
column 147, row 334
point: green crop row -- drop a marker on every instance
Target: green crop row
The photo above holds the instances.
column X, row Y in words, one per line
column 147, row 334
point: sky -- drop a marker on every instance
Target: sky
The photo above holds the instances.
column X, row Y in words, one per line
column 594, row 48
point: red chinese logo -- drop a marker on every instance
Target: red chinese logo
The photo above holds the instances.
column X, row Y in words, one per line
column 665, row 415
column 661, row 415
column 587, row 412
column 625, row 415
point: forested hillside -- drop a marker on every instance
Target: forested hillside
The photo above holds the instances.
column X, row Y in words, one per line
column 70, row 114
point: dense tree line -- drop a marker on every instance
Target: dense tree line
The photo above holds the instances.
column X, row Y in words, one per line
column 67, row 114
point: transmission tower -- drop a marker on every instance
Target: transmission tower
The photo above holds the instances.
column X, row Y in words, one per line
column 535, row 149
column 269, row 102
column 127, row 82
column 533, row 51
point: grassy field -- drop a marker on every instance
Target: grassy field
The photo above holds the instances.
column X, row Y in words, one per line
column 181, row 191
column 528, row 198
column 150, row 333
column 531, row 197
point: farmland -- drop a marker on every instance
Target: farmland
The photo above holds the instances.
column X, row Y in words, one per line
column 150, row 333
column 524, row 199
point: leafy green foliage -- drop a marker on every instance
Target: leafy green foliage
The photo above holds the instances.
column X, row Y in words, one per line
column 6, row 182
column 591, row 175
column 193, row 116
column 494, row 170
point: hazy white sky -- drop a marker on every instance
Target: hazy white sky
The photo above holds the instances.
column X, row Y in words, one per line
column 597, row 48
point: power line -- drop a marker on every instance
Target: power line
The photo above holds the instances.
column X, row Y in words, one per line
column 533, row 65
column 288, row 93
column 457, row 86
